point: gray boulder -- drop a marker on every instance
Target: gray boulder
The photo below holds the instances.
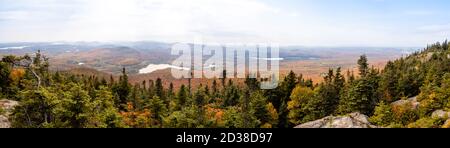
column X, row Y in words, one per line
column 440, row 114
column 7, row 106
column 4, row 122
column 353, row 120
column 413, row 101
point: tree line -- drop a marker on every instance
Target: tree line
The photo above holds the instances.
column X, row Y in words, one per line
column 54, row 99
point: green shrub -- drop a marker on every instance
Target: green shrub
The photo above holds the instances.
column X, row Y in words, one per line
column 427, row 123
column 383, row 115
column 395, row 125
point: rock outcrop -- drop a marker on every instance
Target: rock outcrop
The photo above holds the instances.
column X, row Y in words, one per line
column 441, row 114
column 413, row 101
column 354, row 120
column 7, row 106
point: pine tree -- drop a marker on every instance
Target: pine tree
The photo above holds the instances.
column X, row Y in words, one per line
column 105, row 115
column 144, row 85
column 170, row 93
column 258, row 106
column 248, row 114
column 289, row 83
column 151, row 88
column 111, row 81
column 182, row 95
column 224, row 77
column 122, row 89
column 136, row 98
column 103, row 82
column 208, row 94
column 5, row 82
column 232, row 118
column 231, row 96
column 186, row 118
column 37, row 110
column 159, row 89
column 359, row 97
column 350, row 76
column 383, row 115
column 252, row 83
column 215, row 90
column 339, row 80
column 328, row 94
column 389, row 83
column 79, row 108
column 158, row 109
column 363, row 66
column 200, row 100
column 445, row 45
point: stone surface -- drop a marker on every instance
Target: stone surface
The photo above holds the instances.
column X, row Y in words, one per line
column 353, row 120
column 4, row 122
column 7, row 106
column 414, row 103
column 440, row 114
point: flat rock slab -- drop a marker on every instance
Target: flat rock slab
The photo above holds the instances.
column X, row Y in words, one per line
column 354, row 120
column 7, row 106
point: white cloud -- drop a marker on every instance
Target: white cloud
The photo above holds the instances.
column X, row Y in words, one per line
column 223, row 21
column 166, row 19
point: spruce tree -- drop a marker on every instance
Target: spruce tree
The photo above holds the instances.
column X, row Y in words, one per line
column 363, row 66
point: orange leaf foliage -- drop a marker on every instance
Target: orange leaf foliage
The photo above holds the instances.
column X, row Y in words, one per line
column 17, row 74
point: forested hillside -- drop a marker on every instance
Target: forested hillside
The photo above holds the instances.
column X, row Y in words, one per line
column 53, row 99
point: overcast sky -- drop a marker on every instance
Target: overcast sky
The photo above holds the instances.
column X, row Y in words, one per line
column 289, row 22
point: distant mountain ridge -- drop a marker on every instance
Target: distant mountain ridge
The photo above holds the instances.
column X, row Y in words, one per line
column 111, row 57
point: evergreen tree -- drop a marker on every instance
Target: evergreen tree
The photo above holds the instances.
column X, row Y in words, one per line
column 363, row 66
column 339, row 80
column 170, row 93
column 122, row 89
column 37, row 110
column 247, row 112
column 231, row 96
column 5, row 83
column 105, row 113
column 79, row 107
column 182, row 95
column 289, row 83
column 383, row 115
column 215, row 90
column 159, row 89
column 200, row 99
column 258, row 106
column 389, row 83
column 252, row 83
column 224, row 77
column 158, row 109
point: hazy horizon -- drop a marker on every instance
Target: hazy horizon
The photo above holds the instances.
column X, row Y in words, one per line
column 119, row 43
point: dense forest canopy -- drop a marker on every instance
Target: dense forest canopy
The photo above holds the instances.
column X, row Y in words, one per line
column 63, row 100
